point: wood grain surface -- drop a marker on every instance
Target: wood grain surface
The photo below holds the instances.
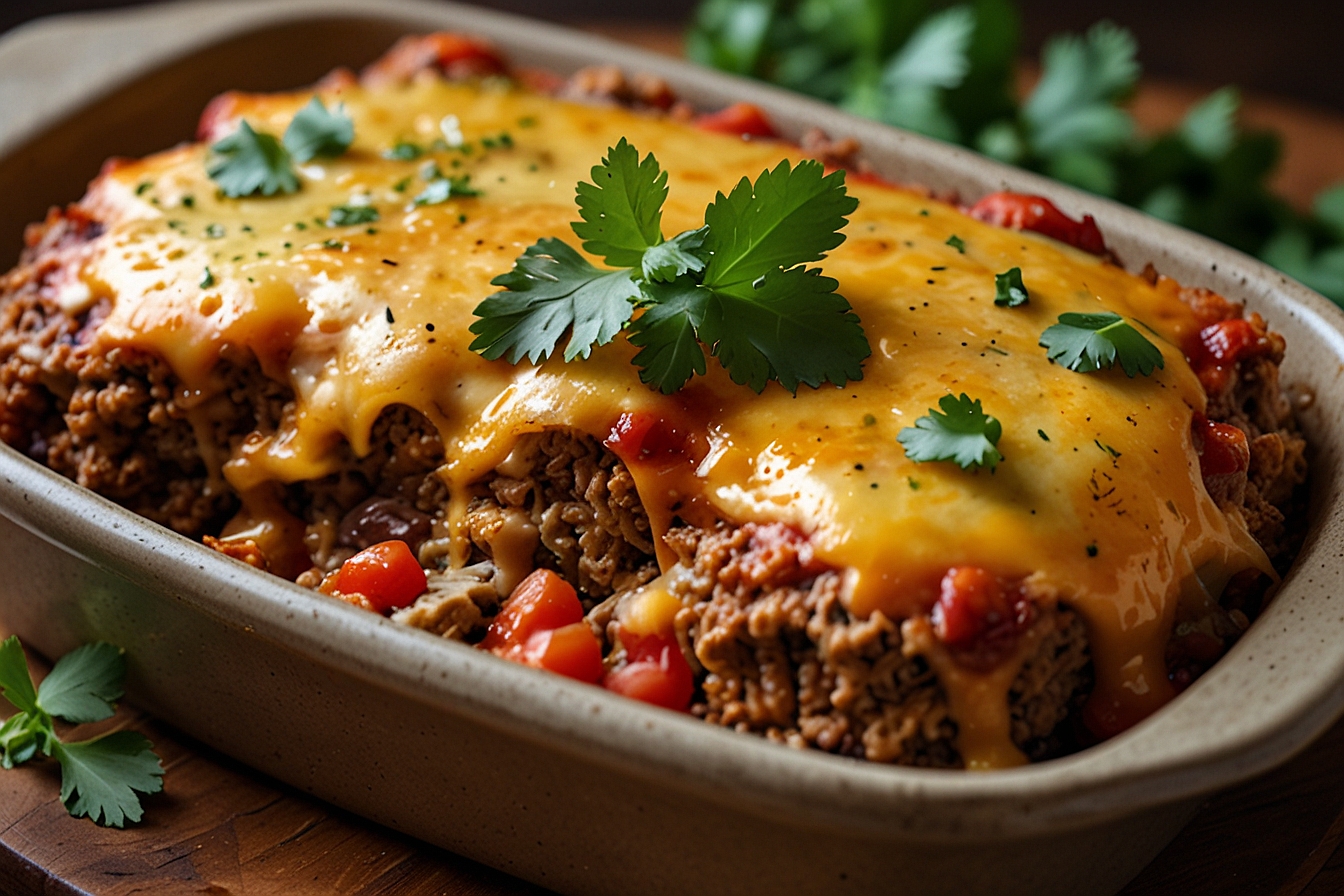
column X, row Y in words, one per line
column 222, row 829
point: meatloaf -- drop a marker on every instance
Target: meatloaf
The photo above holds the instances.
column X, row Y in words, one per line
column 129, row 363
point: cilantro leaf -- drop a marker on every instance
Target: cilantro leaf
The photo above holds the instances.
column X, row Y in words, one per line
column 316, row 131
column 667, row 261
column 19, row 739
column 760, row 312
column 552, row 288
column 347, row 215
column 1071, row 107
column 15, row 682
column 248, row 162
column 793, row 327
column 667, row 334
column 404, row 151
column 1008, row 289
column 1089, row 342
column 99, row 777
column 962, row 433
column 444, row 188
column 1210, row 127
column 83, row 684
column 790, row 216
column 934, row 58
column 622, row 209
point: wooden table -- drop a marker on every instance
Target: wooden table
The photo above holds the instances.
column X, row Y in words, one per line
column 220, row 828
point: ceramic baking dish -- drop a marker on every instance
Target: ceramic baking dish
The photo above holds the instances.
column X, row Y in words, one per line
column 561, row 783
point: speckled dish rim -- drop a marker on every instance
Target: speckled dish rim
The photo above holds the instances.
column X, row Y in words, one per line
column 1280, row 687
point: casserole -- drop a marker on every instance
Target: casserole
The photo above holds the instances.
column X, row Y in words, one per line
column 992, row 817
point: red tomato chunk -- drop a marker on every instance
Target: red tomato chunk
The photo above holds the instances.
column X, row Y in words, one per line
column 657, row 672
column 979, row 617
column 387, row 574
column 745, row 119
column 1020, row 211
column 541, row 625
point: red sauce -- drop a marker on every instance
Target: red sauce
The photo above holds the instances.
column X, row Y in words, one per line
column 1220, row 346
column 1020, row 211
column 980, row 616
column 1221, row 447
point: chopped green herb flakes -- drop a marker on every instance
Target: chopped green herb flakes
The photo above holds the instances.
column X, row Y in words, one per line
column 1009, row 292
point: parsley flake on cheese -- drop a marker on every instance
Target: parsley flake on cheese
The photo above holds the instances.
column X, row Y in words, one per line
column 318, row 131
column 248, row 162
column 963, row 433
column 1090, row 342
column 1009, row 291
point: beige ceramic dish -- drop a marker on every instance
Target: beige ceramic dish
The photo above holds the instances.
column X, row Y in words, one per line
column 561, row 783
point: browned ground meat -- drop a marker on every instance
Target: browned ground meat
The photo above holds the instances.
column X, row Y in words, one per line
column 562, row 501
column 783, row 657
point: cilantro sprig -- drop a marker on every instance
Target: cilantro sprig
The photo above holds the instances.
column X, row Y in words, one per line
column 949, row 71
column 248, row 161
column 737, row 288
column 1090, row 342
column 99, row 777
column 963, row 433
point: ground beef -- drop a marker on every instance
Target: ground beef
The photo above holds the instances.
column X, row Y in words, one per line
column 393, row 492
column 563, row 501
column 783, row 657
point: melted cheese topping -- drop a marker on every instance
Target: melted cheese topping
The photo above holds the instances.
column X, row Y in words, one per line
column 1099, row 494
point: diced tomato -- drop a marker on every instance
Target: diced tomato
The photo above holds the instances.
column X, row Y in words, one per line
column 571, row 650
column 387, row 574
column 745, row 119
column 979, row 616
column 1021, row 211
column 642, row 436
column 541, row 625
column 542, row 602
column 1229, row 341
column 1222, row 345
column 460, row 53
column 1221, row 447
column 656, row 673
column 969, row 601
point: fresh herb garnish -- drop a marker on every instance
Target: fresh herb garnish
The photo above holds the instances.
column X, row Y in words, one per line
column 737, row 286
column 445, row 188
column 99, row 777
column 957, row 243
column 1009, row 292
column 208, row 280
column 962, row 433
column 249, row 161
column 317, row 131
column 1090, row 342
column 346, row 215
column 404, row 151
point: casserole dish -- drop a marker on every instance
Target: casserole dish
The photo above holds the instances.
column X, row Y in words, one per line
column 996, row 817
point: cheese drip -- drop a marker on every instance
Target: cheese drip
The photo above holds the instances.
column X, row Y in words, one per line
column 1099, row 492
